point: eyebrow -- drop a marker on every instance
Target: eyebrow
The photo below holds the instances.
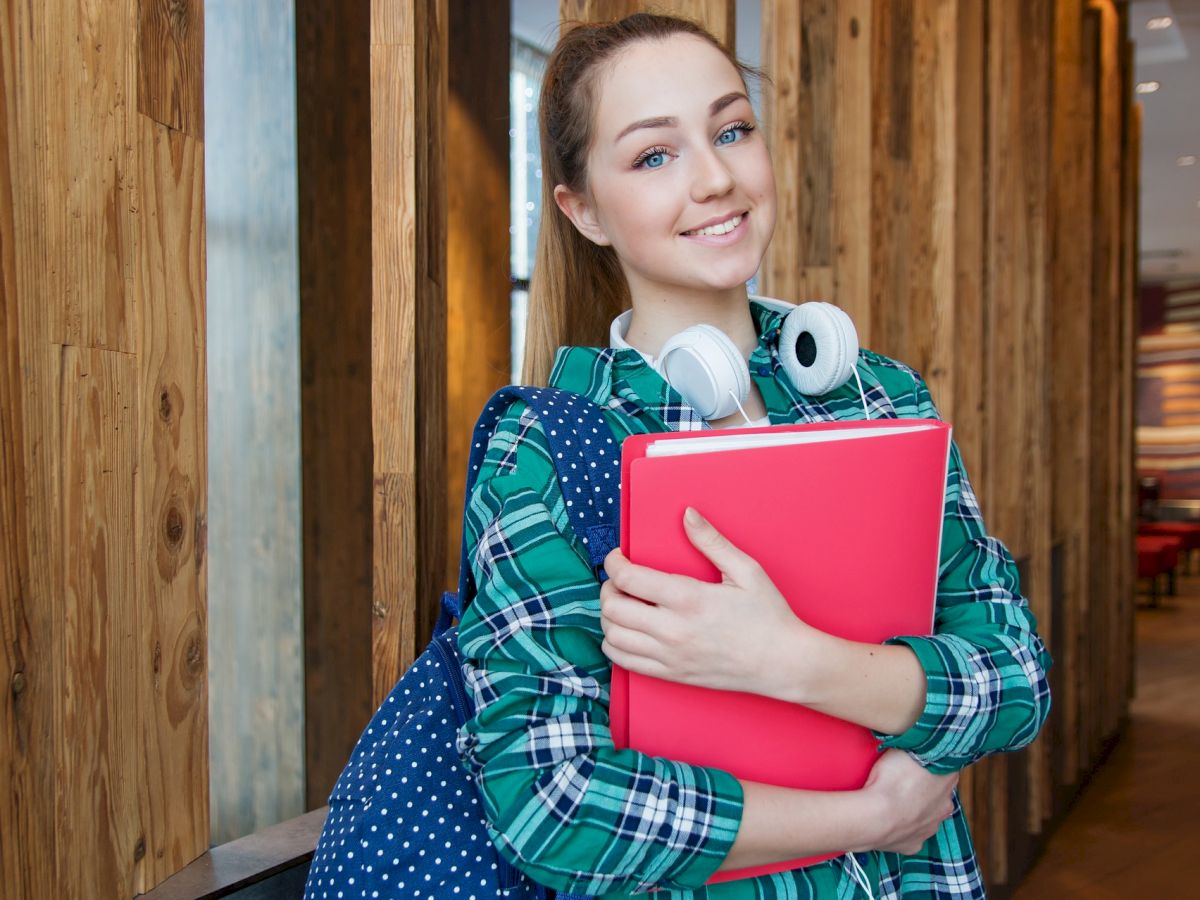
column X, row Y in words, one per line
column 670, row 121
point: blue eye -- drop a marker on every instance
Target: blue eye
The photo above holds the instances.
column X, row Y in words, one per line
column 652, row 158
column 728, row 135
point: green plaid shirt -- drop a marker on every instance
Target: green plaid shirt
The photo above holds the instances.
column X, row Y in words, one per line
column 577, row 814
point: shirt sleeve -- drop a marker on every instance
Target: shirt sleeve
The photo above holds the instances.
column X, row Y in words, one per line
column 563, row 805
column 986, row 689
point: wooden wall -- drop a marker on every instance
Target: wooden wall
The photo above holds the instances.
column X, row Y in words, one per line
column 104, row 502
column 914, row 143
column 478, row 263
column 372, row 86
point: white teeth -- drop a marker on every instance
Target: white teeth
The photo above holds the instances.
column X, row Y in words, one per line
column 722, row 228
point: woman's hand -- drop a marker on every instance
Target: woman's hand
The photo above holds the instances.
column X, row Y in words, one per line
column 912, row 802
column 733, row 635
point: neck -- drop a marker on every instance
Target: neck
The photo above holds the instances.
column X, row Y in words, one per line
column 659, row 315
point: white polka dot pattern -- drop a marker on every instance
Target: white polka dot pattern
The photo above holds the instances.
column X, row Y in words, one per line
column 405, row 819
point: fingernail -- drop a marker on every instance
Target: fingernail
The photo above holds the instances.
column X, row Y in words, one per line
column 692, row 517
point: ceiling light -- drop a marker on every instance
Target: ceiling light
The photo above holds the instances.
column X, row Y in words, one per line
column 1186, row 161
column 1147, row 87
column 1158, row 23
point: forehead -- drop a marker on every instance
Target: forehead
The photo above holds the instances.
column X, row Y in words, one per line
column 679, row 76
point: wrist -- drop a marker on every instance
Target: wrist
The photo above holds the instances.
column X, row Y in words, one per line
column 872, row 823
column 808, row 659
column 783, row 669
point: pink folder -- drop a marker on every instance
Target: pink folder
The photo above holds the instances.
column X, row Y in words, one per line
column 849, row 531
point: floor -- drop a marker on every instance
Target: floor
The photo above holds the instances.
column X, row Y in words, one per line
column 1135, row 831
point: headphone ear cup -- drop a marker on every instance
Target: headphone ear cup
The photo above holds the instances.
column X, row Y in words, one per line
column 830, row 346
column 702, row 363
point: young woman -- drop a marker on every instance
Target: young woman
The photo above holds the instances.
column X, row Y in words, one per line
column 659, row 198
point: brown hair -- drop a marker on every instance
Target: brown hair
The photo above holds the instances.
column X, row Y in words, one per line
column 578, row 287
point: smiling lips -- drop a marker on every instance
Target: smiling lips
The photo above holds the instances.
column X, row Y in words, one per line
column 717, row 229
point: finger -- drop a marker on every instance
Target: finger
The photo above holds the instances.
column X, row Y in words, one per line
column 652, row 585
column 734, row 563
column 614, row 560
column 633, row 662
column 630, row 612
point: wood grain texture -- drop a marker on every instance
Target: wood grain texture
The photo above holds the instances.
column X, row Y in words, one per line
column 1017, row 448
column 1125, row 549
column 408, row 107
column 172, row 526
column 780, row 272
column 1105, row 366
column 333, row 145
column 478, row 289
column 99, row 778
column 170, row 64
column 963, row 388
column 850, row 207
column 30, row 576
column 255, row 615
column 1071, row 282
column 717, row 16
column 90, row 223
column 104, row 788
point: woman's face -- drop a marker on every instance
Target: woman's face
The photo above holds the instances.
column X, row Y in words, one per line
column 676, row 151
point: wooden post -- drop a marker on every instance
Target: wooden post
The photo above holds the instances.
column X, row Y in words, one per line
column 718, row 16
column 409, row 74
column 104, row 781
column 1070, row 387
column 479, row 290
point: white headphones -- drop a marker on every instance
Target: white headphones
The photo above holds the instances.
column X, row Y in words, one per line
column 818, row 347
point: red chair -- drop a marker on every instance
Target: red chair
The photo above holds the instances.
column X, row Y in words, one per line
column 1158, row 555
column 1187, row 532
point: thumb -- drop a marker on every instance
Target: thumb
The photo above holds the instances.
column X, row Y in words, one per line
column 717, row 548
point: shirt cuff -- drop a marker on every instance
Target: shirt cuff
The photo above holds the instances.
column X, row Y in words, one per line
column 951, row 703
column 726, row 820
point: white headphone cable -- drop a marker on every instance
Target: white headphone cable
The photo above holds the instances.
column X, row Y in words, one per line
column 739, row 406
column 861, row 393
column 859, row 876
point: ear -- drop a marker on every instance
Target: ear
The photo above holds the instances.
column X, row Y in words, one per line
column 582, row 214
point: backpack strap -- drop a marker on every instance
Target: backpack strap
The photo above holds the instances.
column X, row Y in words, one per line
column 586, row 457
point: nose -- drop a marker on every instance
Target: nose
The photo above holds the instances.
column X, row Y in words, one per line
column 712, row 177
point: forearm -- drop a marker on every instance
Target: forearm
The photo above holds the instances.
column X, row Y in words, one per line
column 781, row 824
column 878, row 686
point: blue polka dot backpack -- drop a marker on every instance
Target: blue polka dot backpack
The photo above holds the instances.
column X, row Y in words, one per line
column 405, row 819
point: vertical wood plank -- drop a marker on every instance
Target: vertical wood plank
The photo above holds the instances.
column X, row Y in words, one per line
column 90, row 222
column 105, row 791
column 1089, row 677
column 1132, row 239
column 171, row 64
column 478, row 290
column 172, row 521
column 719, row 17
column 1125, row 549
column 1016, row 450
column 333, row 144
column 1071, row 280
column 1105, row 363
column 408, row 107
column 963, row 402
column 99, row 778
column 851, row 202
column 782, row 102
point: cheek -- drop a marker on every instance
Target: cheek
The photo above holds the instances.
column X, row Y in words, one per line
column 643, row 214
